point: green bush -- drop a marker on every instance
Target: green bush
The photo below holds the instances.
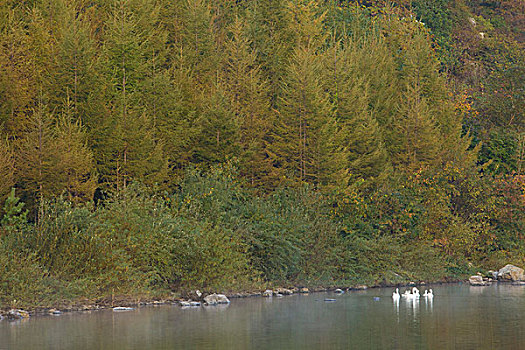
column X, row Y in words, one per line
column 21, row 277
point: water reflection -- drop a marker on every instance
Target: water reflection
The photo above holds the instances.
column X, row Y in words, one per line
column 478, row 290
column 396, row 306
column 429, row 304
column 463, row 318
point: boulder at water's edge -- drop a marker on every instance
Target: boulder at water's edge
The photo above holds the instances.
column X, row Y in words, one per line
column 214, row 299
column 476, row 281
column 511, row 273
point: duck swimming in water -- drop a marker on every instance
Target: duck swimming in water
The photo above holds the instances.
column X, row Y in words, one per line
column 411, row 294
column 395, row 295
column 428, row 294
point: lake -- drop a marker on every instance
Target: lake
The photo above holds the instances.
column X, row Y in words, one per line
column 459, row 317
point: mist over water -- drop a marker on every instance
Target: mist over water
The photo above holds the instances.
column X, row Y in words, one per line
column 459, row 317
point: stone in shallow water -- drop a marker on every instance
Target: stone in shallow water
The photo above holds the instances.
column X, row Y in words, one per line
column 122, row 308
column 214, row 299
column 476, row 281
column 339, row 291
column 284, row 291
column 267, row 293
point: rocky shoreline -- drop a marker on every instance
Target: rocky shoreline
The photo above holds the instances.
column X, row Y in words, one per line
column 508, row 274
column 192, row 299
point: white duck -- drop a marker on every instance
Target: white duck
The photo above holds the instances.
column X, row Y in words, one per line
column 428, row 294
column 413, row 295
column 395, row 295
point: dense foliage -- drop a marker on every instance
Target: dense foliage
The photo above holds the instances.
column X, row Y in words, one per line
column 154, row 145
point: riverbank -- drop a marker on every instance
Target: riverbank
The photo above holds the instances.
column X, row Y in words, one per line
column 136, row 301
column 194, row 297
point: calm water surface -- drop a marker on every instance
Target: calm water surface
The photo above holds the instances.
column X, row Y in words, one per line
column 459, row 317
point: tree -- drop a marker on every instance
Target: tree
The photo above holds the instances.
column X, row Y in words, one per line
column 19, row 73
column 129, row 148
column 52, row 157
column 267, row 28
column 299, row 147
column 360, row 135
column 75, row 73
column 7, row 168
column 13, row 217
column 375, row 68
column 196, row 43
column 36, row 159
column 417, row 142
column 302, row 143
column 421, row 108
column 75, row 168
column 249, row 98
column 218, row 136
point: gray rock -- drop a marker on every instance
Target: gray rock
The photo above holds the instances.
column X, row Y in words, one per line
column 122, row 308
column 54, row 312
column 195, row 303
column 339, row 291
column 511, row 273
column 476, row 281
column 214, row 299
column 304, row 290
column 267, row 293
column 184, row 303
column 284, row 291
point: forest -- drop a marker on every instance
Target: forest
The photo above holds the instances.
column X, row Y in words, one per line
column 150, row 147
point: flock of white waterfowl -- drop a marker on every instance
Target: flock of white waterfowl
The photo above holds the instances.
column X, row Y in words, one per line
column 412, row 294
